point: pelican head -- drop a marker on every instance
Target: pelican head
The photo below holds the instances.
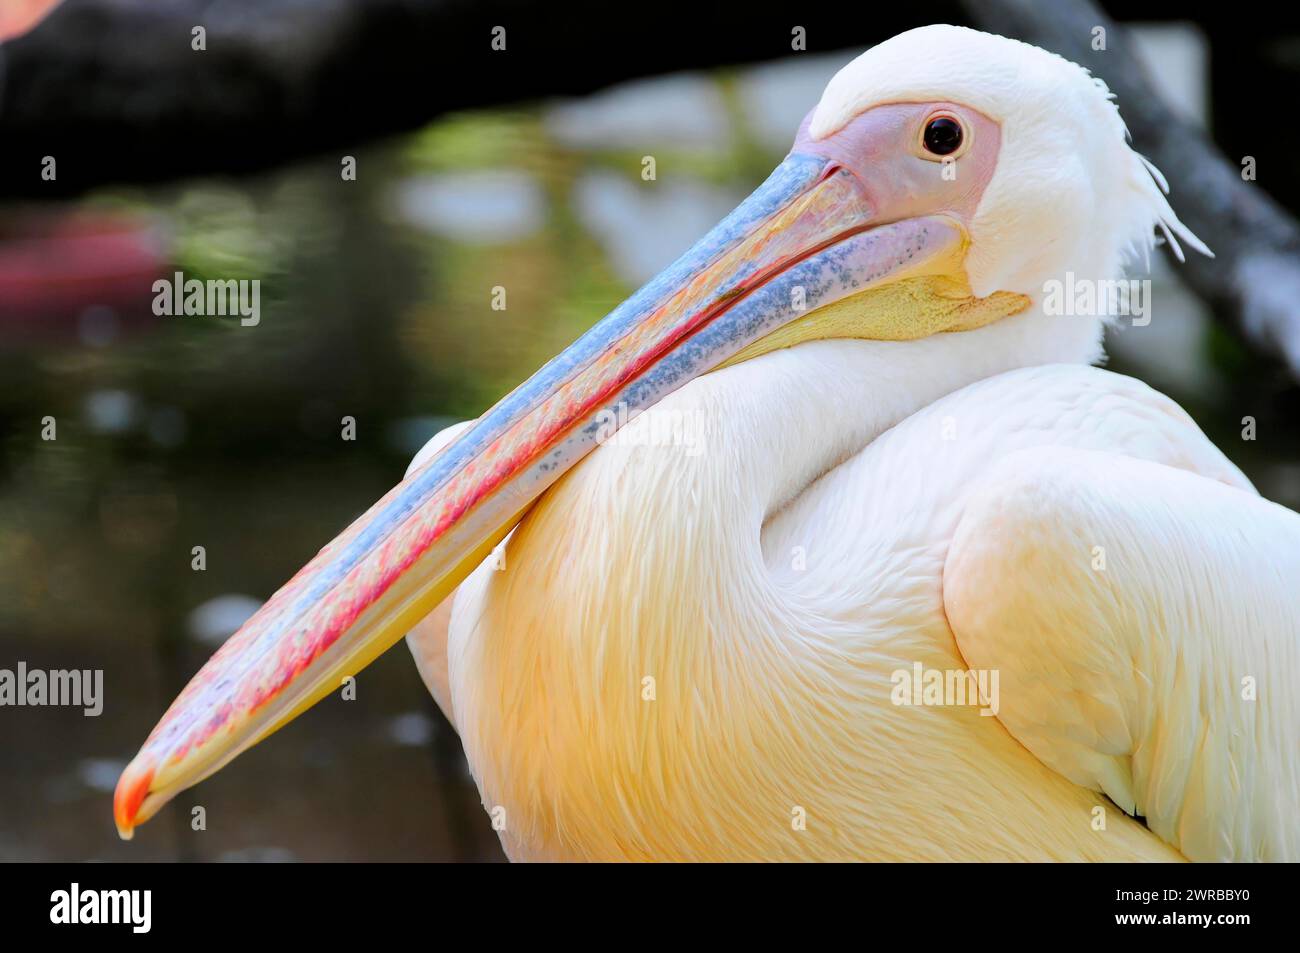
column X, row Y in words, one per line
column 944, row 176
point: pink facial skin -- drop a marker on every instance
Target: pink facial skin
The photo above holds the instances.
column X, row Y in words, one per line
column 883, row 148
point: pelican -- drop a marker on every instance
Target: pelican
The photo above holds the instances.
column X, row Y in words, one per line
column 901, row 464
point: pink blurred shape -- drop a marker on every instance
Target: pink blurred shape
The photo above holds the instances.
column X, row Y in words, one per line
column 54, row 267
column 20, row 16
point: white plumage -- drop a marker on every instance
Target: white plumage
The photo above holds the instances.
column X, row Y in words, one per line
column 692, row 656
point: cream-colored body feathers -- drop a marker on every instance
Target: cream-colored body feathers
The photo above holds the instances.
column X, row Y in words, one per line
column 691, row 651
column 772, row 614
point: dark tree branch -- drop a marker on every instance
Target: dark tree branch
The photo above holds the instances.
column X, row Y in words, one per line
column 1254, row 278
column 113, row 89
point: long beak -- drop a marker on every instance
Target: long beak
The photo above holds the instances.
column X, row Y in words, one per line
column 805, row 240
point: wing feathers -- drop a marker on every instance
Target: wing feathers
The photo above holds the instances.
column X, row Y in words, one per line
column 1143, row 621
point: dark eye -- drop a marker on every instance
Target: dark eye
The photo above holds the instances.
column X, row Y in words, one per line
column 943, row 135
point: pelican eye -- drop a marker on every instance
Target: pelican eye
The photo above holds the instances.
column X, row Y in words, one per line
column 943, row 135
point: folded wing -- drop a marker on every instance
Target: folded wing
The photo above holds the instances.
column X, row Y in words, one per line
column 1143, row 620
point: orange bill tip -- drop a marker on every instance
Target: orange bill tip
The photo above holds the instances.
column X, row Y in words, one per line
column 132, row 787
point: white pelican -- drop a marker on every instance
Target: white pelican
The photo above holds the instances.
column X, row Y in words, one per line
column 903, row 466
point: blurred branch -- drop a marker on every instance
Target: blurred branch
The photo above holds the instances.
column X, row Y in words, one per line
column 113, row 90
column 1254, row 278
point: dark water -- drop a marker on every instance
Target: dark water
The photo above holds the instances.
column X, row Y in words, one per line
column 176, row 432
